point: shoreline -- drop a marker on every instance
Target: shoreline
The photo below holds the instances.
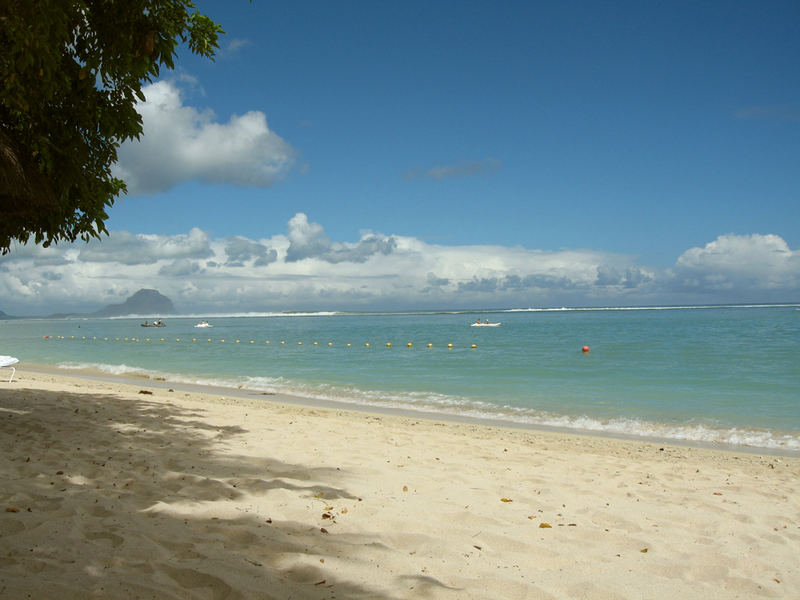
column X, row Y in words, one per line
column 114, row 489
column 445, row 417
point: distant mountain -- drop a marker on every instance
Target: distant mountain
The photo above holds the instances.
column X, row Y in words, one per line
column 143, row 302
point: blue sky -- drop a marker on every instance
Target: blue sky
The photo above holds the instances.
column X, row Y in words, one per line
column 620, row 152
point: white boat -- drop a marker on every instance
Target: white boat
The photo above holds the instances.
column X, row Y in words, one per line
column 487, row 324
column 204, row 324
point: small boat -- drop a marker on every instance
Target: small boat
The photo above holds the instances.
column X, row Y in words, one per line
column 486, row 324
column 156, row 323
column 204, row 324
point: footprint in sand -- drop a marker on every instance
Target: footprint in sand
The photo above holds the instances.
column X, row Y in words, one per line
column 116, row 540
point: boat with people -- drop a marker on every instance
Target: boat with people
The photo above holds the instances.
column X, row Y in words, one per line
column 156, row 323
column 485, row 323
column 204, row 324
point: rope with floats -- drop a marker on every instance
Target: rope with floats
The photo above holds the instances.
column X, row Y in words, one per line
column 389, row 345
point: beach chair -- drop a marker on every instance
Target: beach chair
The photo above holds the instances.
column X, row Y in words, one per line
column 6, row 362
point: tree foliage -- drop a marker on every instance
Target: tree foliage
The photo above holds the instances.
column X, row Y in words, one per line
column 71, row 73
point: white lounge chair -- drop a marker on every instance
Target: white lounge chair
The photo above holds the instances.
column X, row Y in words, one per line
column 6, row 362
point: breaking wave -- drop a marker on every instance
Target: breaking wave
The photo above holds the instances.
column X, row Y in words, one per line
column 456, row 407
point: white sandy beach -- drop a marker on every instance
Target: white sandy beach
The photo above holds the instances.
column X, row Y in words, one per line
column 108, row 492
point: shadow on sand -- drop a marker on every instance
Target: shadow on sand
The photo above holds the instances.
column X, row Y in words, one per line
column 102, row 497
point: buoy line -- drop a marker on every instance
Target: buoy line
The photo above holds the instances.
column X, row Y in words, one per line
column 315, row 344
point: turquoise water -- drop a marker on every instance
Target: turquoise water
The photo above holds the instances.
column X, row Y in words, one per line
column 715, row 374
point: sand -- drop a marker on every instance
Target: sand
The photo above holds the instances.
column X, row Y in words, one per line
column 118, row 490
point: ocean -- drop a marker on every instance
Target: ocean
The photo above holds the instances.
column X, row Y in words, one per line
column 712, row 375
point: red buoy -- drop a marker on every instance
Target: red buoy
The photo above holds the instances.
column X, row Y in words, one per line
column 585, row 349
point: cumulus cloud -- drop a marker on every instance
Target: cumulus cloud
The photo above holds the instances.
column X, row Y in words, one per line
column 308, row 240
column 542, row 282
column 435, row 281
column 142, row 249
column 302, row 269
column 180, row 268
column 630, row 277
column 181, row 143
column 43, row 261
column 740, row 263
column 458, row 170
column 241, row 250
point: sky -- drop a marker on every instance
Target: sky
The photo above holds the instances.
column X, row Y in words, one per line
column 411, row 155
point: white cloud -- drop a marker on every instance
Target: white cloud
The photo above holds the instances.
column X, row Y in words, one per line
column 181, row 143
column 233, row 47
column 240, row 250
column 740, row 264
column 180, row 268
column 142, row 249
column 304, row 269
column 630, row 277
column 308, row 240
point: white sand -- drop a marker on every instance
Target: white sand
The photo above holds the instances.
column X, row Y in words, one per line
column 109, row 493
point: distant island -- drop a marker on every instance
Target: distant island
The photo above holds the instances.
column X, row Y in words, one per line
column 143, row 302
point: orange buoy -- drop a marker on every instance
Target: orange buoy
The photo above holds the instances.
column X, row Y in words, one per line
column 585, row 349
